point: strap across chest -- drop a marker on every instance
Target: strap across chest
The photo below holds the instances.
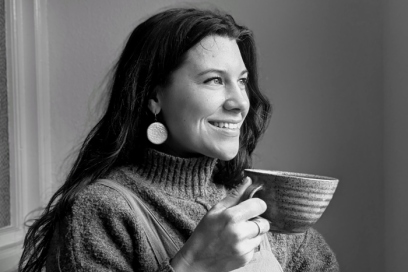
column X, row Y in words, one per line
column 164, row 247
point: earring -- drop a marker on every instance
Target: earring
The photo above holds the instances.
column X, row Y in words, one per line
column 157, row 132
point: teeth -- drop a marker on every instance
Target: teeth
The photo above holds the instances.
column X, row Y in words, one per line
column 226, row 125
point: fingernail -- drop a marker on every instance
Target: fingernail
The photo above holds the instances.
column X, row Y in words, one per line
column 246, row 180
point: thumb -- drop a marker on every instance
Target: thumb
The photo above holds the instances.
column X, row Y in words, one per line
column 234, row 195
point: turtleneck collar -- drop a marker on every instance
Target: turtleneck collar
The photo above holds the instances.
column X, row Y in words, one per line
column 184, row 177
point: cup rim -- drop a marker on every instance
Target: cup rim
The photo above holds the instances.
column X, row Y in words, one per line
column 291, row 174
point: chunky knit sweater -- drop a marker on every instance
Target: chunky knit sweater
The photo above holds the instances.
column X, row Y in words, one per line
column 102, row 233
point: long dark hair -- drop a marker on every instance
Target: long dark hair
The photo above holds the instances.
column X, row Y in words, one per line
column 154, row 50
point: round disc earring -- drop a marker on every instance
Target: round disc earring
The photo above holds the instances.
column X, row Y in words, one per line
column 157, row 132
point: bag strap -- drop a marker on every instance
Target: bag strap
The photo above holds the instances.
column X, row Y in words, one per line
column 159, row 239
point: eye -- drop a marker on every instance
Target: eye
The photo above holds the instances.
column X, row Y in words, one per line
column 214, row 80
column 243, row 81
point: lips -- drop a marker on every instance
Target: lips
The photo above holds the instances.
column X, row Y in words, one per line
column 226, row 125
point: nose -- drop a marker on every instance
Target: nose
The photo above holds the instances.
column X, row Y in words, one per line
column 236, row 99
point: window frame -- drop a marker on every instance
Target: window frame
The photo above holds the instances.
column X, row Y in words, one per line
column 29, row 120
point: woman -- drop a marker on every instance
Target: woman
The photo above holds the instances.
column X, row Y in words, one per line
column 195, row 72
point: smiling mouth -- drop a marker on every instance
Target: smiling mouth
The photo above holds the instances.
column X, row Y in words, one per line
column 226, row 125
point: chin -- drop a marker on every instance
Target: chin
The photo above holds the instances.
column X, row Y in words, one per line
column 227, row 155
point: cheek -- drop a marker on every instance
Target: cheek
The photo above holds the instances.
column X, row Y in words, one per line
column 188, row 108
column 180, row 117
column 195, row 109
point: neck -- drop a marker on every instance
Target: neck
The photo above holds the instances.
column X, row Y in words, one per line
column 186, row 177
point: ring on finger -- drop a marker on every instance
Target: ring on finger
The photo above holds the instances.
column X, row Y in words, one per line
column 262, row 228
column 257, row 222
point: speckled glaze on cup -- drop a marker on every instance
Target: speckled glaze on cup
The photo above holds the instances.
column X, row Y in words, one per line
column 295, row 200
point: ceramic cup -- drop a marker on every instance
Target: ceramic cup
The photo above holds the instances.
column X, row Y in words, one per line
column 295, row 201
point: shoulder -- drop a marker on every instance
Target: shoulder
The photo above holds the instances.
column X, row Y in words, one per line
column 101, row 216
column 99, row 200
column 100, row 228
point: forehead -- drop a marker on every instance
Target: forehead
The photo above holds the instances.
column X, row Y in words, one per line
column 215, row 51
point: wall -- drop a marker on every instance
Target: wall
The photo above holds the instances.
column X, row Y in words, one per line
column 396, row 134
column 321, row 66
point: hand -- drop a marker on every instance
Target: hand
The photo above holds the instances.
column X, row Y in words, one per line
column 225, row 238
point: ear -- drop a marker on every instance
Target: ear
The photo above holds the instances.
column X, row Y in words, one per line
column 154, row 104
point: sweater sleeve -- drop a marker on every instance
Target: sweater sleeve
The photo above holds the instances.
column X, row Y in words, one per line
column 314, row 255
column 102, row 234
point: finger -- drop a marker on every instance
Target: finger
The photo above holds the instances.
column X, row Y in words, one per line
column 246, row 252
column 234, row 195
column 261, row 226
column 248, row 209
column 252, row 244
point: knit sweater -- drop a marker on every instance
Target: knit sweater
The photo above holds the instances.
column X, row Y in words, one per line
column 102, row 233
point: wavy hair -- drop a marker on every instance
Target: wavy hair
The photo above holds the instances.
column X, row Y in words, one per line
column 155, row 49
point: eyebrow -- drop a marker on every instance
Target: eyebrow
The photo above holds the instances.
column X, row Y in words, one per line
column 219, row 72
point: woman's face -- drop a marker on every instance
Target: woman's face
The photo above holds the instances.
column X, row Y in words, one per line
column 205, row 102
